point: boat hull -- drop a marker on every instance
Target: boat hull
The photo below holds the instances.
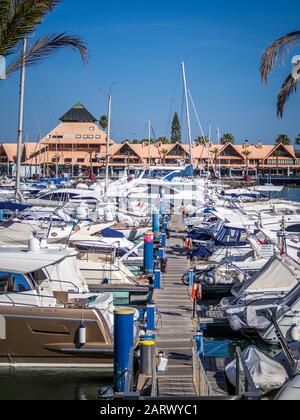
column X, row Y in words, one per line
column 49, row 338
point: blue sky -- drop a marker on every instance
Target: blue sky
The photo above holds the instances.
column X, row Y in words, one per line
column 139, row 45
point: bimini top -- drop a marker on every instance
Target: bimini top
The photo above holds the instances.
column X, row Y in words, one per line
column 22, row 261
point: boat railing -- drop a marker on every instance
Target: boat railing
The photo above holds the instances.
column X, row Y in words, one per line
column 94, row 249
column 245, row 386
column 200, row 378
column 14, row 303
column 70, row 283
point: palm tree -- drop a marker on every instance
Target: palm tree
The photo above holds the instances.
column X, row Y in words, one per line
column 18, row 19
column 228, row 138
column 298, row 140
column 163, row 140
column 272, row 57
column 164, row 154
column 104, row 122
column 283, row 139
column 247, row 154
column 202, row 140
column 215, row 153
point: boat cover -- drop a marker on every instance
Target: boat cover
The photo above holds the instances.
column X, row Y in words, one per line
column 267, row 374
column 111, row 233
column 13, row 206
column 276, row 275
column 247, row 319
column 201, row 252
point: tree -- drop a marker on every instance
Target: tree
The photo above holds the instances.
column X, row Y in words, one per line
column 247, row 154
column 273, row 56
column 227, row 138
column 104, row 122
column 20, row 18
column 176, row 130
column 163, row 140
column 283, row 139
column 298, row 140
column 215, row 153
column 164, row 154
column 202, row 141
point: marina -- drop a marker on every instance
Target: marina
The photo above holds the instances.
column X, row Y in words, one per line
column 137, row 268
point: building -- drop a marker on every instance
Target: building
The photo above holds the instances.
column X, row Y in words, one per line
column 78, row 146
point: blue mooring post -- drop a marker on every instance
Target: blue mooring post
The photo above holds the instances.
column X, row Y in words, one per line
column 156, row 224
column 123, row 342
column 150, row 317
column 191, row 277
column 163, row 240
column 148, row 254
column 161, row 253
column 157, row 279
column 199, row 338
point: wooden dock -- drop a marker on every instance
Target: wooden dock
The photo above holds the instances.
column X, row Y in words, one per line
column 178, row 328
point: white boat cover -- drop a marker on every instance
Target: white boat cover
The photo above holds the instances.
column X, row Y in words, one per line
column 247, row 319
column 267, row 374
column 276, row 275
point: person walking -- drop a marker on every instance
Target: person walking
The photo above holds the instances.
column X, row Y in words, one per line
column 188, row 247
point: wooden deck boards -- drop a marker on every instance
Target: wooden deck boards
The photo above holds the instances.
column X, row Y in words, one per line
column 178, row 328
column 175, row 306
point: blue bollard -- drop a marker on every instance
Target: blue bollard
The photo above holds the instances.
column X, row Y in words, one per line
column 150, row 317
column 157, row 279
column 163, row 240
column 191, row 277
column 1, row 215
column 156, row 224
column 199, row 338
column 148, row 254
column 161, row 253
column 123, row 342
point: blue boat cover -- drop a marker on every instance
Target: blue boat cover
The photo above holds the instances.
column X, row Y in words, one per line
column 110, row 233
column 13, row 206
column 201, row 252
column 187, row 172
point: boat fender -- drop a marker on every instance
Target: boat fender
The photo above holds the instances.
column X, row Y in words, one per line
column 34, row 244
column 217, row 276
column 241, row 277
column 296, row 333
column 82, row 335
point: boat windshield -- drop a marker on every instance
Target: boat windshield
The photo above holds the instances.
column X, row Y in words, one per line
column 14, row 283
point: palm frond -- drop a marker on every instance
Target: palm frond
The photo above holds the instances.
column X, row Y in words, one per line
column 277, row 51
column 18, row 18
column 287, row 89
column 46, row 46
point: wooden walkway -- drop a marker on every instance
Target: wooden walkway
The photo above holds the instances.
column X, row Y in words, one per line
column 176, row 309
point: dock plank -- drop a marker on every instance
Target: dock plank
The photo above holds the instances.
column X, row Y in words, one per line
column 175, row 307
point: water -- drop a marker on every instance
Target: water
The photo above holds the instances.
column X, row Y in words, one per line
column 292, row 194
column 51, row 385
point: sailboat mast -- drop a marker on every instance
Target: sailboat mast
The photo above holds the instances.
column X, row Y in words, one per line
column 107, row 144
column 21, row 121
column 188, row 114
column 149, row 139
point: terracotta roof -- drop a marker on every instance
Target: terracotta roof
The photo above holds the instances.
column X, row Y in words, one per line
column 11, row 150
